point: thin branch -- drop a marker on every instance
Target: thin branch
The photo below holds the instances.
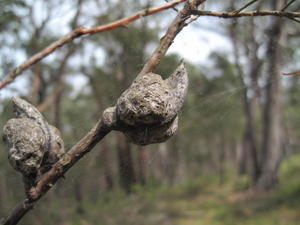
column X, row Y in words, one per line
column 165, row 42
column 78, row 33
column 174, row 8
column 50, row 98
column 287, row 5
column 85, row 145
column 245, row 6
column 46, row 182
column 59, row 81
column 244, row 14
column 293, row 19
column 18, row 212
column 101, row 129
column 292, row 73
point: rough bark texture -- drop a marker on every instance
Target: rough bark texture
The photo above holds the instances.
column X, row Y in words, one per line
column 107, row 122
column 34, row 145
column 149, row 107
column 272, row 131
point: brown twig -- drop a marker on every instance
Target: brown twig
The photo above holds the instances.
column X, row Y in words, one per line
column 295, row 20
column 245, row 6
column 86, row 144
column 292, row 73
column 59, row 81
column 50, row 98
column 123, row 22
column 287, row 5
column 80, row 32
column 165, row 42
column 100, row 130
column 18, row 212
column 174, row 8
column 250, row 13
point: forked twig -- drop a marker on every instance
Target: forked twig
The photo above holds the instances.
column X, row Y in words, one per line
column 292, row 73
column 287, row 5
column 233, row 14
column 245, row 6
column 100, row 130
column 78, row 33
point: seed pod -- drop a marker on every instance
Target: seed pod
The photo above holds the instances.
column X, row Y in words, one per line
column 33, row 144
column 26, row 142
column 148, row 108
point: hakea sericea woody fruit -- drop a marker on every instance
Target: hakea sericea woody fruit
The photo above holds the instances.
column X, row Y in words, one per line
column 33, row 144
column 147, row 110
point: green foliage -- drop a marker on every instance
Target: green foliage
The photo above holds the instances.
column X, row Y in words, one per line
column 9, row 14
column 197, row 201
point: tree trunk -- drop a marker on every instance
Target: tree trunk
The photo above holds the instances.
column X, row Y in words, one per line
column 248, row 158
column 108, row 177
column 142, row 165
column 272, row 136
column 106, row 154
column 126, row 169
column 38, row 86
column 78, row 196
column 57, row 110
column 176, row 162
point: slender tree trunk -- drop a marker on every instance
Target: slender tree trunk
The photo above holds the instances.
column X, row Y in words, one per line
column 157, row 163
column 176, row 162
column 38, row 87
column 78, row 197
column 248, row 158
column 126, row 169
column 142, row 165
column 272, row 136
column 2, row 192
column 106, row 151
column 221, row 158
column 57, row 110
column 107, row 165
column 250, row 144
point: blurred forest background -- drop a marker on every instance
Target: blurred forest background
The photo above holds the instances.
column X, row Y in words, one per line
column 235, row 158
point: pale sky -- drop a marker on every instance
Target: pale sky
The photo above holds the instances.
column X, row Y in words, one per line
column 193, row 44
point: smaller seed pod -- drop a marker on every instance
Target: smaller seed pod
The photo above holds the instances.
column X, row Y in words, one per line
column 26, row 143
column 33, row 145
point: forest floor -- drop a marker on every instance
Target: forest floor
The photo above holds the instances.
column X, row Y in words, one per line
column 203, row 202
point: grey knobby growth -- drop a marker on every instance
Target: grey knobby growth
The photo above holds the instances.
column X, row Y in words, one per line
column 34, row 145
column 146, row 113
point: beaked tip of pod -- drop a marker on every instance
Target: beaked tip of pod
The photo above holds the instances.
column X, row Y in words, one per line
column 181, row 66
column 180, row 71
column 19, row 102
column 16, row 99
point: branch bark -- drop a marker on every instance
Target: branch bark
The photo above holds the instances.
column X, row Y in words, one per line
column 165, row 42
column 10, row 77
column 105, row 124
column 245, row 14
column 46, row 182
